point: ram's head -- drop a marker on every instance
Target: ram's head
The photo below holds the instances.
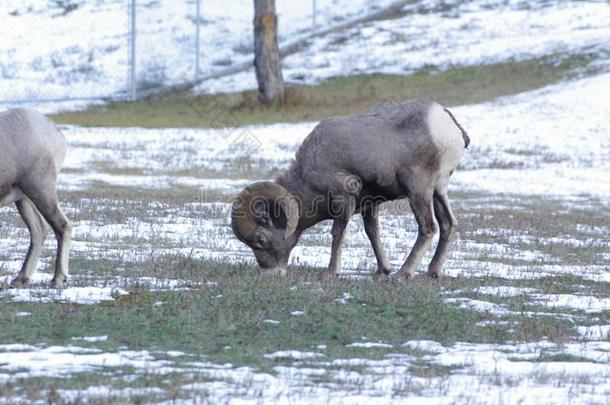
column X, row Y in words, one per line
column 265, row 217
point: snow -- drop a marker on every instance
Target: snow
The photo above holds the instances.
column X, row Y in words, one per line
column 96, row 292
column 587, row 303
column 493, row 372
column 471, row 33
column 582, row 145
column 23, row 314
column 506, row 361
column 57, row 361
column 292, row 355
column 85, row 52
column 474, row 268
column 73, row 295
column 576, row 152
column 103, row 393
column 552, row 143
column 478, row 305
column 425, row 346
column 369, row 345
column 47, row 55
column 271, row 321
column 505, row 291
column 344, row 298
column 595, row 332
column 91, row 338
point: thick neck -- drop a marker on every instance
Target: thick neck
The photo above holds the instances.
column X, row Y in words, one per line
column 307, row 199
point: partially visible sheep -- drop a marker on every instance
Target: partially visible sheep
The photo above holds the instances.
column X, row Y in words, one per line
column 350, row 165
column 33, row 150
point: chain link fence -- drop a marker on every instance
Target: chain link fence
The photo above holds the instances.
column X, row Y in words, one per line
column 81, row 51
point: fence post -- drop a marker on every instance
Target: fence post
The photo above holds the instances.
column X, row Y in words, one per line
column 197, row 45
column 314, row 16
column 132, row 52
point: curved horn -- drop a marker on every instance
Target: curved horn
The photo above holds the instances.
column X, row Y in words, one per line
column 242, row 217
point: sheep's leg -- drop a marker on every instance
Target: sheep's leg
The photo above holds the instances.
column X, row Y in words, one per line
column 46, row 202
column 338, row 233
column 370, row 217
column 345, row 211
column 38, row 232
column 63, row 233
column 447, row 223
column 421, row 205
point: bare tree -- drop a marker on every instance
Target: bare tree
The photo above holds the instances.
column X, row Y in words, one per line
column 267, row 61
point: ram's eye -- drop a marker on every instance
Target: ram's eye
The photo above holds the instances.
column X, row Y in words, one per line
column 261, row 214
column 260, row 242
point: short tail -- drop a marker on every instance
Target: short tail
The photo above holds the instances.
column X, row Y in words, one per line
column 464, row 133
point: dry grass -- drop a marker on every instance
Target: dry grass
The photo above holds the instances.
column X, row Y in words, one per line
column 335, row 96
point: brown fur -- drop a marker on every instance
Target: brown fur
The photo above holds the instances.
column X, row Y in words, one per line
column 350, row 165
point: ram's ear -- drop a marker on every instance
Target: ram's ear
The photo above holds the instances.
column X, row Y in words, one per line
column 261, row 214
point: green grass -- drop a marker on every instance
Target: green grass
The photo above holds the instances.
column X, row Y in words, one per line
column 224, row 322
column 335, row 96
column 561, row 357
column 232, row 313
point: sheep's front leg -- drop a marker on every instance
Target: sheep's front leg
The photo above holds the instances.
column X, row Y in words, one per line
column 370, row 217
column 345, row 212
column 338, row 233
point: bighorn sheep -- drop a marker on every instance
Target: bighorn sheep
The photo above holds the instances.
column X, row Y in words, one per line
column 350, row 165
column 33, row 150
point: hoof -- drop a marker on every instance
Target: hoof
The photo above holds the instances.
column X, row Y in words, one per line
column 432, row 275
column 58, row 283
column 327, row 275
column 19, row 283
column 381, row 276
column 401, row 277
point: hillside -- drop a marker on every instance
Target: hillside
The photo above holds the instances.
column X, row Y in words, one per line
column 47, row 53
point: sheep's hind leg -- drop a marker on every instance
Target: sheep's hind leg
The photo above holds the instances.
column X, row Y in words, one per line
column 447, row 223
column 421, row 205
column 46, row 202
column 370, row 217
column 38, row 232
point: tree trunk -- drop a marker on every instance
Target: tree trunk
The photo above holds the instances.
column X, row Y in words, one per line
column 267, row 63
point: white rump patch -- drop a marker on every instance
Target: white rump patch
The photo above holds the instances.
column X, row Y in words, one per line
column 447, row 136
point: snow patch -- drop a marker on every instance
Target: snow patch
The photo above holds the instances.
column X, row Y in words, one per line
column 292, row 355
column 369, row 345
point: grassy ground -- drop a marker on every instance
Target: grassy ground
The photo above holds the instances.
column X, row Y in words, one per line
column 233, row 314
column 336, row 96
column 225, row 313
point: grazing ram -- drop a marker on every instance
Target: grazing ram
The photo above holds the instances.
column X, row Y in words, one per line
column 350, row 165
column 33, row 150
